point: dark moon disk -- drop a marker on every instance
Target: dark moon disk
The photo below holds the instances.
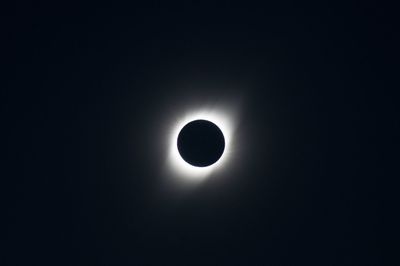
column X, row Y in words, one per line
column 201, row 143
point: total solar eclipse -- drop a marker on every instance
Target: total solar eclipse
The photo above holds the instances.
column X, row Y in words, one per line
column 201, row 143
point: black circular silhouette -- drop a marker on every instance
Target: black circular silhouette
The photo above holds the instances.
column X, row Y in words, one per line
column 201, row 143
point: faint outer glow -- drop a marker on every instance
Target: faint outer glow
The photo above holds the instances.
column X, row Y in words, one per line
column 183, row 169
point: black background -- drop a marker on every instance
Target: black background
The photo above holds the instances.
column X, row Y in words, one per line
column 89, row 89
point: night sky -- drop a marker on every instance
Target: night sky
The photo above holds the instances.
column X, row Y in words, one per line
column 89, row 92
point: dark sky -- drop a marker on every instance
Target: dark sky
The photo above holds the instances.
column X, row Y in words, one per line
column 88, row 92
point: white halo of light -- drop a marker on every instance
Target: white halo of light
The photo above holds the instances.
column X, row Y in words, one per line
column 180, row 167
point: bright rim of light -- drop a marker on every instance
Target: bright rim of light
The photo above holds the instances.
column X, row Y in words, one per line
column 186, row 170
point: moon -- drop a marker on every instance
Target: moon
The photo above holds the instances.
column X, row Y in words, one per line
column 180, row 165
column 201, row 143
